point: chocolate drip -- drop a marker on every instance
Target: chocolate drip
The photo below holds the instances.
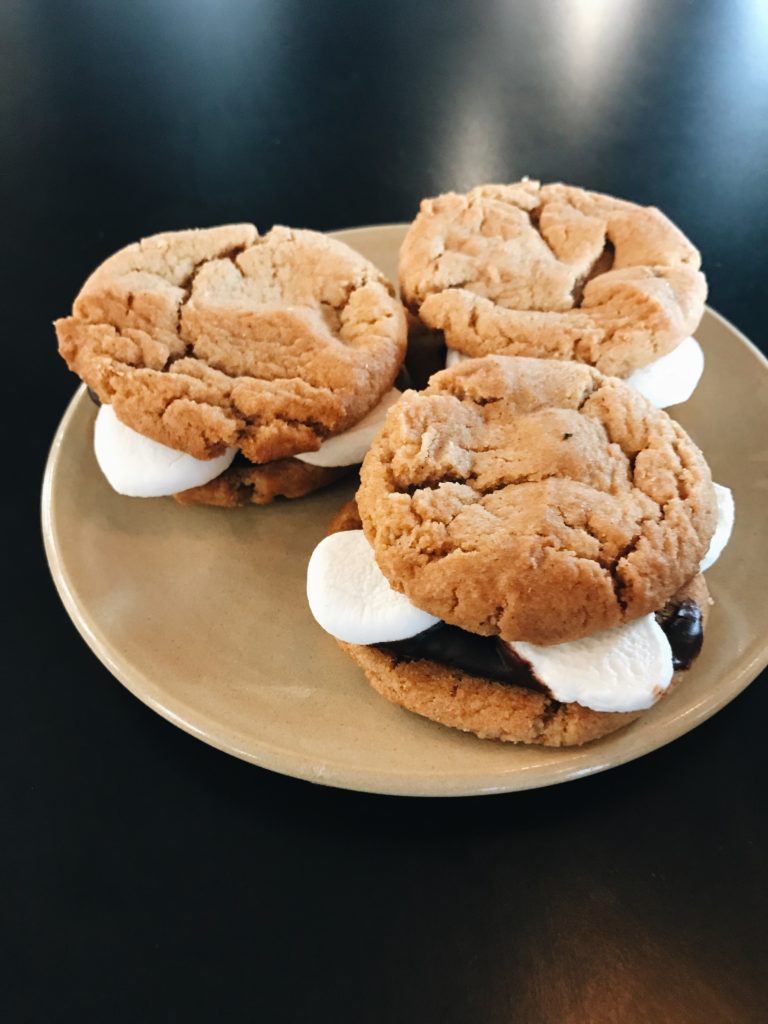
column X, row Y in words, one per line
column 490, row 658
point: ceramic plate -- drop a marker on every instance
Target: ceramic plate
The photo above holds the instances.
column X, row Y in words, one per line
column 202, row 614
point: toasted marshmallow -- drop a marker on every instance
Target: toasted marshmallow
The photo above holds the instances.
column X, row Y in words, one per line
column 726, row 513
column 667, row 381
column 139, row 467
column 621, row 669
column 671, row 379
column 350, row 597
column 349, row 448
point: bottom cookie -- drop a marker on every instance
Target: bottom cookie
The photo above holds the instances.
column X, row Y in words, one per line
column 260, row 484
column 489, row 709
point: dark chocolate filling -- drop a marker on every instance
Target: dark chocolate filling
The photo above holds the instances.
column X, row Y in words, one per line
column 484, row 656
column 490, row 658
column 682, row 624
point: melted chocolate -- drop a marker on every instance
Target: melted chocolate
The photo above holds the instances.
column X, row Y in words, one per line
column 484, row 656
column 490, row 658
column 682, row 624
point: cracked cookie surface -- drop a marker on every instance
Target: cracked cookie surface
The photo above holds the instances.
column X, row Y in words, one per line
column 535, row 500
column 489, row 709
column 221, row 337
column 552, row 271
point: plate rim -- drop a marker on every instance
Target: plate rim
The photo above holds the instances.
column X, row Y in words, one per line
column 278, row 759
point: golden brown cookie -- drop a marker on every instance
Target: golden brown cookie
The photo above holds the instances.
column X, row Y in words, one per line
column 220, row 337
column 552, row 271
column 489, row 709
column 260, row 485
column 534, row 499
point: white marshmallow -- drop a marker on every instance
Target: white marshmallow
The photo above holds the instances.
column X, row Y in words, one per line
column 349, row 448
column 139, row 467
column 726, row 513
column 671, row 379
column 620, row 669
column 350, row 597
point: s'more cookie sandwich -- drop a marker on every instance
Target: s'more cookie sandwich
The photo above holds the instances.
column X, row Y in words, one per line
column 233, row 367
column 525, row 559
column 557, row 272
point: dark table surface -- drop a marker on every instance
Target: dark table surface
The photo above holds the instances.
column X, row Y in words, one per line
column 147, row 877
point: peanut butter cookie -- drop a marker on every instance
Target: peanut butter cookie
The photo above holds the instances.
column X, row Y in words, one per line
column 552, row 271
column 535, row 500
column 215, row 338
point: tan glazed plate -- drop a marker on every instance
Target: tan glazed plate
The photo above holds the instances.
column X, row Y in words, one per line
column 202, row 613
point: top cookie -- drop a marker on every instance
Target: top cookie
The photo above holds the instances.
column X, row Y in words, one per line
column 534, row 499
column 220, row 337
column 552, row 271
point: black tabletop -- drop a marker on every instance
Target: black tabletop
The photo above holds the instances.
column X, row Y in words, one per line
column 148, row 877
